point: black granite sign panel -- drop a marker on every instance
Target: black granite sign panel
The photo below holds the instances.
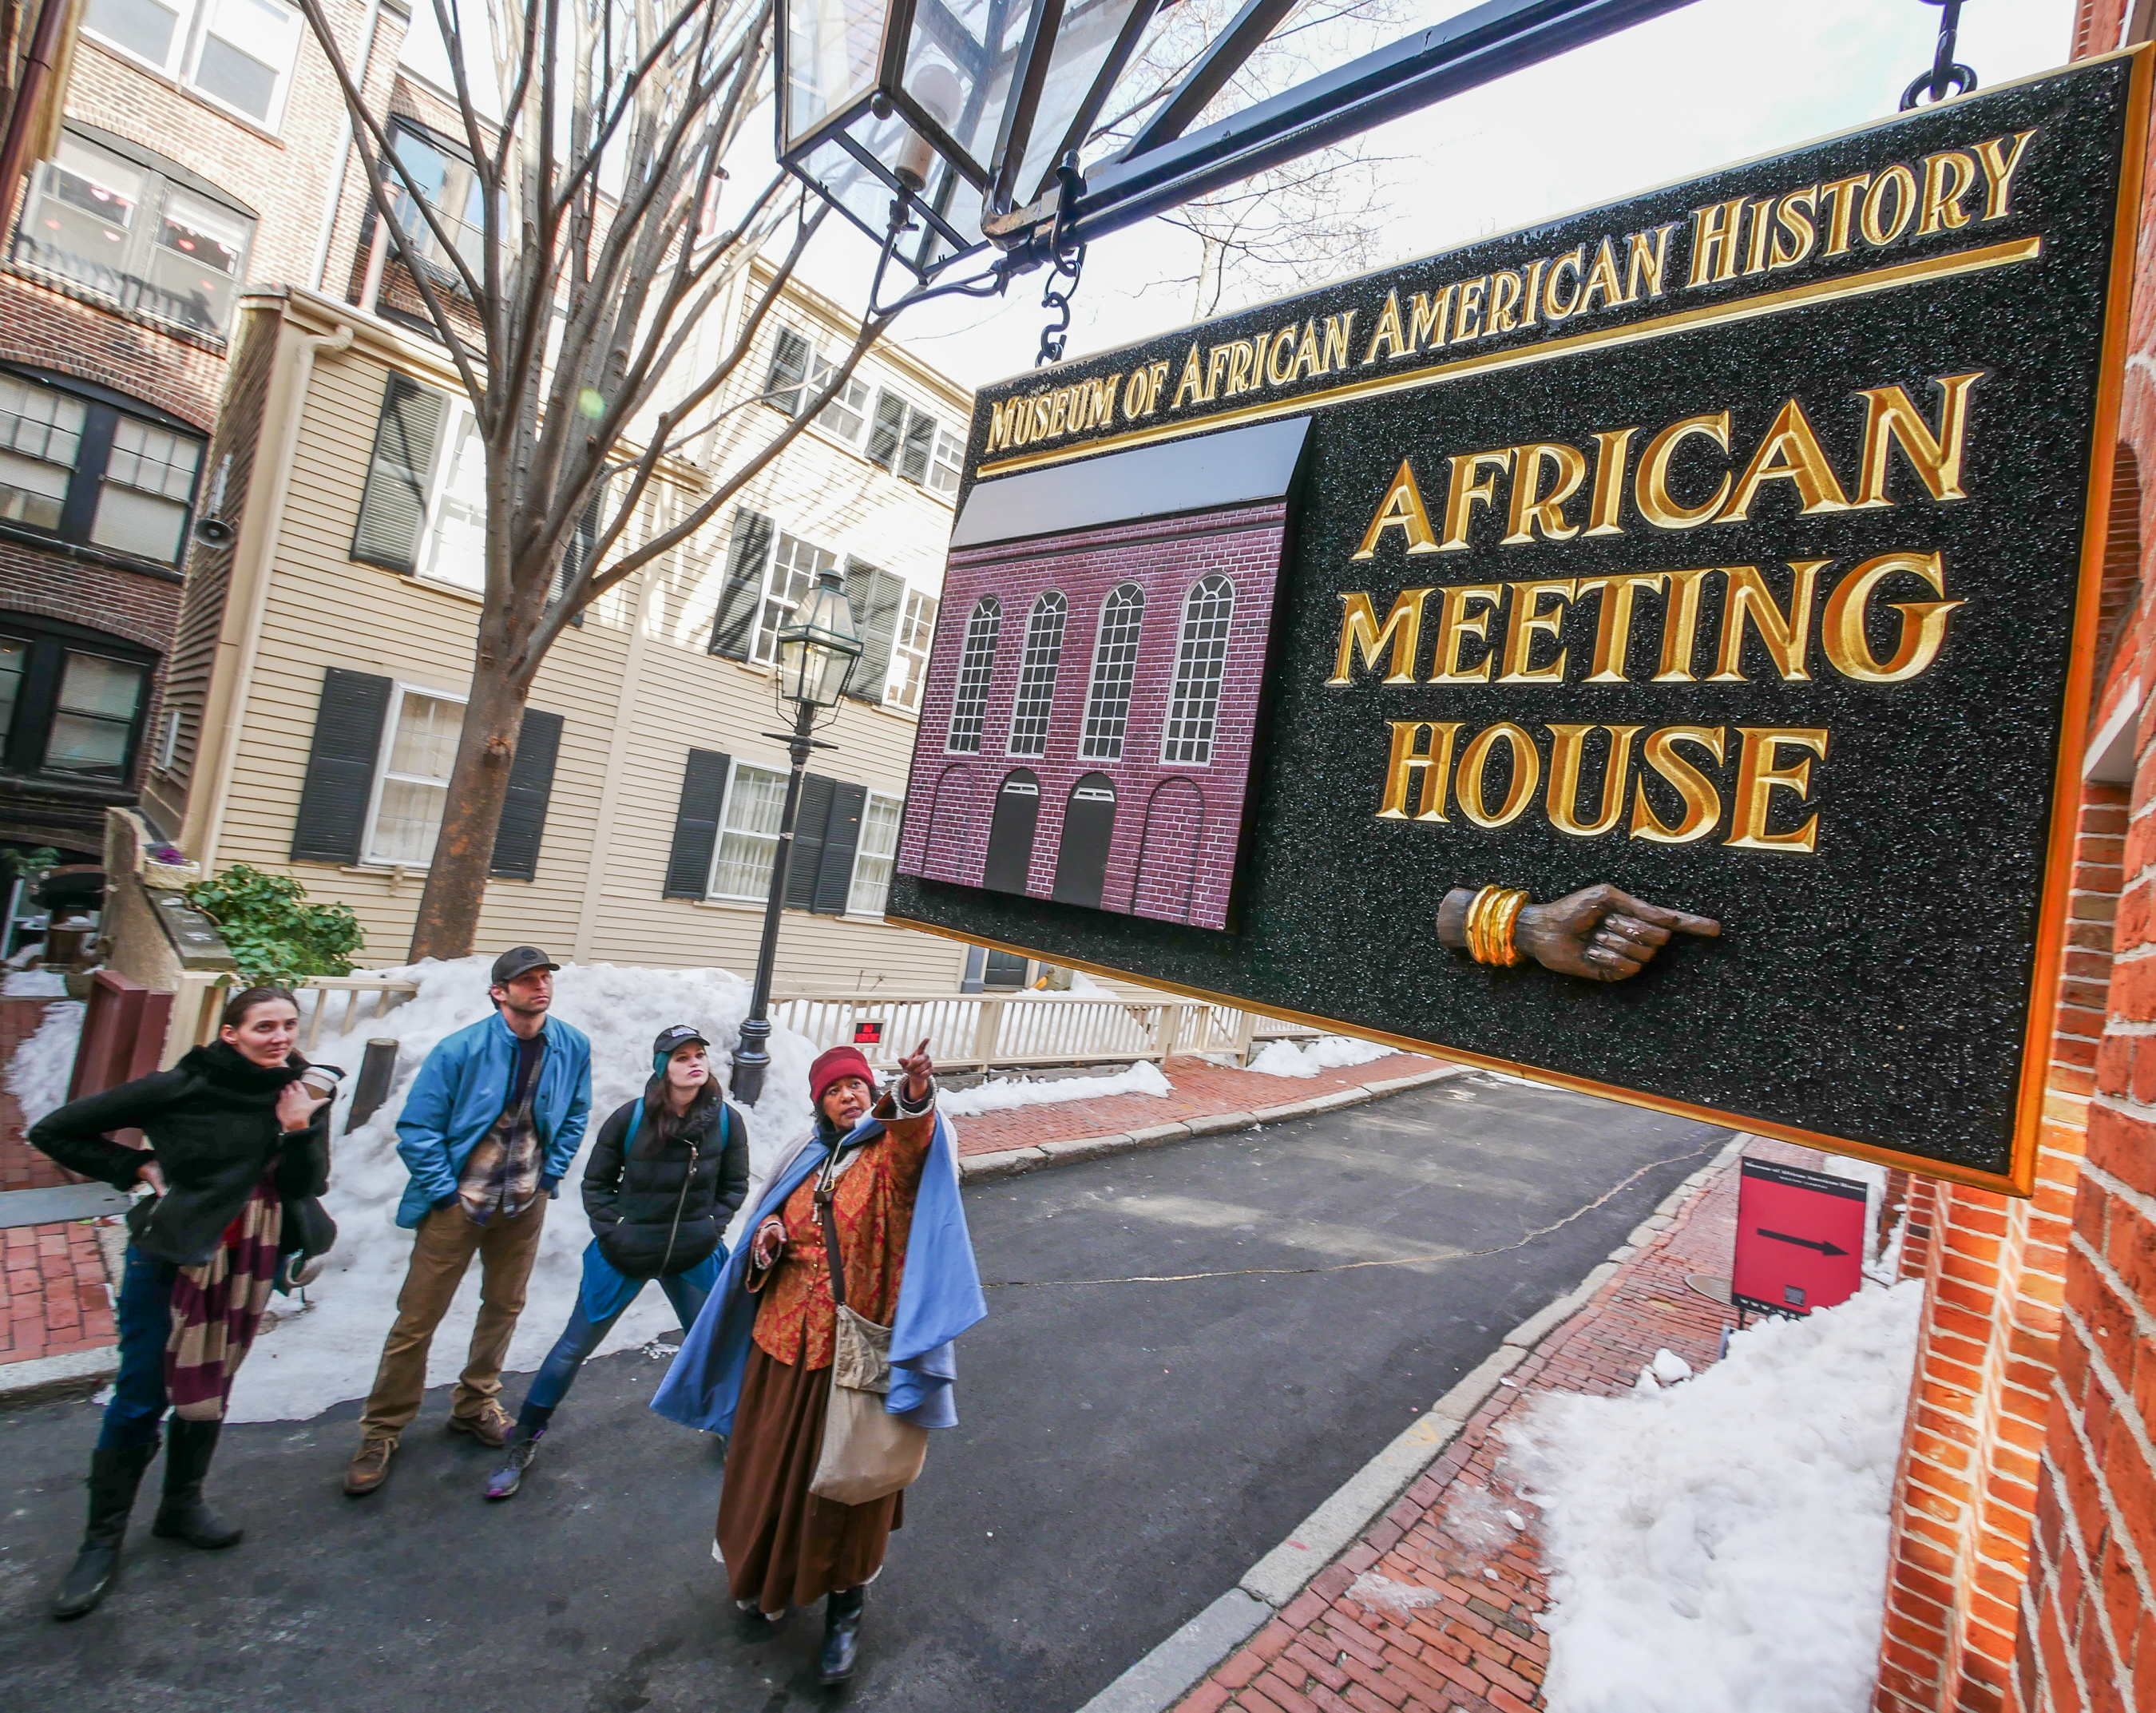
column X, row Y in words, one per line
column 1732, row 545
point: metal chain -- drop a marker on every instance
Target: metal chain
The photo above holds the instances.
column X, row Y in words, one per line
column 1057, row 331
column 1946, row 77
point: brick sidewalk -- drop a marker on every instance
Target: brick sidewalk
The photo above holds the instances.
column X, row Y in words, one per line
column 1202, row 1089
column 1480, row 1647
column 54, row 1299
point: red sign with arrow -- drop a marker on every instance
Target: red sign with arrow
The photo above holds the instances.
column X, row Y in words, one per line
column 1799, row 1239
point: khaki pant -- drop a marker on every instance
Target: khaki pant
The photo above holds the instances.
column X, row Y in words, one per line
column 442, row 1250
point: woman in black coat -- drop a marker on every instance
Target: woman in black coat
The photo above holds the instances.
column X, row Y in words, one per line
column 232, row 1133
column 662, row 1179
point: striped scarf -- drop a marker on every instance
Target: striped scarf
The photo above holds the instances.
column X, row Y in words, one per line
column 217, row 1307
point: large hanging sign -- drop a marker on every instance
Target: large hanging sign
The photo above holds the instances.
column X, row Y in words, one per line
column 1647, row 652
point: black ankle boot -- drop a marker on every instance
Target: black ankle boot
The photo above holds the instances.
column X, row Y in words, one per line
column 182, row 1516
column 114, row 1476
column 842, row 1632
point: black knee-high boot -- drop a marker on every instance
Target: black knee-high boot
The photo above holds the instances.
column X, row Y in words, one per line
column 842, row 1632
column 182, row 1516
column 114, row 1476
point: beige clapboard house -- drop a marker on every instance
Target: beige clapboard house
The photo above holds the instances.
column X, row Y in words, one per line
column 322, row 657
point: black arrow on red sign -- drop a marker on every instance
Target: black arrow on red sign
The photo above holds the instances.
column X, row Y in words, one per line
column 1825, row 1248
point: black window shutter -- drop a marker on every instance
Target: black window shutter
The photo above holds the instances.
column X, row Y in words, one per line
column 804, row 874
column 789, row 368
column 393, row 505
column 888, row 431
column 696, row 825
column 920, row 442
column 875, row 597
column 523, row 820
column 577, row 553
column 332, row 821
column 842, row 836
column 734, row 630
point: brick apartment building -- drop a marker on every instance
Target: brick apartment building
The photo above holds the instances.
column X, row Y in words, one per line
column 204, row 144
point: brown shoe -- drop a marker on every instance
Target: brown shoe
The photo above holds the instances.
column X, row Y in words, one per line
column 490, row 1427
column 369, row 1466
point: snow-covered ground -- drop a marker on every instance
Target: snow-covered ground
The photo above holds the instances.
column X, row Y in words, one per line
column 32, row 984
column 37, row 1075
column 999, row 1094
column 1328, row 1053
column 1722, row 1543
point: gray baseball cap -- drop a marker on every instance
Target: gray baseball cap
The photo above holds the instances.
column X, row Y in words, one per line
column 519, row 960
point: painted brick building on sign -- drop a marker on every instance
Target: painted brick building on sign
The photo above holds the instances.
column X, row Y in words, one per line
column 1098, row 675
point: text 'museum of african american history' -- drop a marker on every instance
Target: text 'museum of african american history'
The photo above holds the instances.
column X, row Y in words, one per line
column 1729, row 547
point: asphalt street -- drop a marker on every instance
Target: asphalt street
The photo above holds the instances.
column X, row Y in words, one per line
column 1125, row 1451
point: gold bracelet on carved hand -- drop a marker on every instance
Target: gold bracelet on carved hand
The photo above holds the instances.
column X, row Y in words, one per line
column 1491, row 915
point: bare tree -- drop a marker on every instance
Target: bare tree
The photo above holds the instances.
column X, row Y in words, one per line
column 1291, row 226
column 582, row 291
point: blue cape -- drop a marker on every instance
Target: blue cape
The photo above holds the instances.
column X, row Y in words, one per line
column 939, row 1297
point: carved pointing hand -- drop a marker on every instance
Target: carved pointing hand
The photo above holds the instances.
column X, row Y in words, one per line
column 1601, row 932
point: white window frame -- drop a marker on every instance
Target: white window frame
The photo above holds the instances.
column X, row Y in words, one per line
column 385, row 749
column 735, row 769
column 909, row 664
column 183, row 60
column 168, row 741
column 454, row 420
column 861, row 852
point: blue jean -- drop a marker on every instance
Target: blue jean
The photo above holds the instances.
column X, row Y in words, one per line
column 145, row 1319
column 582, row 1337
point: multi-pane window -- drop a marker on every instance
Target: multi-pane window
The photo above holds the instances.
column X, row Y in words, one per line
column 453, row 548
column 413, row 783
column 1114, row 665
column 800, row 373
column 113, row 225
column 239, row 53
column 909, row 664
column 902, row 439
column 874, row 855
column 1201, row 659
column 77, row 469
column 950, row 462
column 795, row 566
column 977, row 665
column 1036, row 674
column 71, row 706
column 748, row 834
column 453, row 195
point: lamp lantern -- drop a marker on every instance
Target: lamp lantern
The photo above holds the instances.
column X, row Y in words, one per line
column 819, row 649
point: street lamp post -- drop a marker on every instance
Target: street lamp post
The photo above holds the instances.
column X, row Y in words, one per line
column 816, row 655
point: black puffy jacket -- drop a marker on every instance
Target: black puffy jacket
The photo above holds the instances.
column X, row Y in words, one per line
column 211, row 1124
column 660, row 1207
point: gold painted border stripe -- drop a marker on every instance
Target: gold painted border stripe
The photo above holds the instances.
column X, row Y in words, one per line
column 1772, row 303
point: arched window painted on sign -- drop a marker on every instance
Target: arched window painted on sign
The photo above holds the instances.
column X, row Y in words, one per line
column 1036, row 674
column 947, row 840
column 1089, row 828
column 977, row 665
column 1114, row 665
column 1201, row 659
column 1010, row 832
column 1169, row 848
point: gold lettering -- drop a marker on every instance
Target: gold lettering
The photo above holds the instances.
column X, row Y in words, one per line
column 1790, row 453
column 1755, row 244
column 1037, row 430
column 1568, row 749
column 1307, row 361
column 1401, row 509
column 1470, row 489
column 1892, row 419
column 1999, row 167
column 1390, row 332
column 1947, row 178
column 999, row 422
column 1552, row 310
column 1216, row 370
column 1760, row 774
column 1408, row 761
column 1457, row 625
column 1793, row 220
column 1504, row 302
column 1681, row 625
column 1156, row 378
column 1613, row 624
column 1842, row 631
column 1426, row 316
column 1190, row 384
column 1275, row 376
column 1605, row 505
column 1533, row 294
column 1468, row 323
column 1059, row 403
column 1529, row 621
column 1651, row 492
column 1845, row 194
column 1786, row 637
column 1532, row 508
column 1241, row 355
column 1338, row 330
column 1602, row 277
column 1703, row 805
column 1397, row 642
column 1714, row 241
column 1526, row 773
column 1644, row 262
column 1903, row 183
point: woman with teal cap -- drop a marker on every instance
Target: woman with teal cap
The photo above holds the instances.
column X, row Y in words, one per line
column 664, row 1177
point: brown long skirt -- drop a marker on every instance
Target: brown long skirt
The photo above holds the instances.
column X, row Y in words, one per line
column 783, row 1545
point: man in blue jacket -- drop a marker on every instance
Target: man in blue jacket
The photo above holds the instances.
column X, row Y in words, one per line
column 493, row 1119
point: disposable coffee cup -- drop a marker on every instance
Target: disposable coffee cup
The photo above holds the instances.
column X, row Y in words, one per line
column 322, row 1081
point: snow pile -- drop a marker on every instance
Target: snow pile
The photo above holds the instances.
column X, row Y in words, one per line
column 1328, row 1053
column 1143, row 1077
column 37, row 1075
column 1723, row 1544
column 313, row 1359
column 1386, row 1595
column 33, row 984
